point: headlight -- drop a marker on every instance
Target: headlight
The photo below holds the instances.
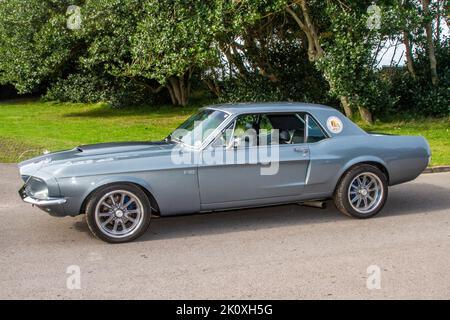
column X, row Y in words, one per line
column 37, row 188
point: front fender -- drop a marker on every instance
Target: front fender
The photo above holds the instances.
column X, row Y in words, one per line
column 77, row 189
column 120, row 179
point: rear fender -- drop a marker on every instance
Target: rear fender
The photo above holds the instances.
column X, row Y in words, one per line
column 358, row 160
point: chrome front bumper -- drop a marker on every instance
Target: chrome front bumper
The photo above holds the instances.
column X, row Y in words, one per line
column 39, row 202
column 52, row 206
column 44, row 202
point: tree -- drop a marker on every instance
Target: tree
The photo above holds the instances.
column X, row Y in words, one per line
column 342, row 45
column 174, row 39
column 407, row 40
column 35, row 45
column 428, row 18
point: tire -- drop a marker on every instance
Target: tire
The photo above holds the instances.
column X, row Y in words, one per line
column 353, row 198
column 118, row 213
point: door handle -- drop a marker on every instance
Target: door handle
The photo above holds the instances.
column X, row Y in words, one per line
column 304, row 151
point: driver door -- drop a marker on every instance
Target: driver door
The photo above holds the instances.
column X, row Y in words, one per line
column 238, row 169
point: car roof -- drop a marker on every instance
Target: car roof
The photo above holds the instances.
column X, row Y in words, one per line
column 236, row 108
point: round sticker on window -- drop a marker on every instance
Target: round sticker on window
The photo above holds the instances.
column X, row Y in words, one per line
column 334, row 124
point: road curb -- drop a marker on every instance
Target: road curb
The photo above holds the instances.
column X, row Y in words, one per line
column 437, row 169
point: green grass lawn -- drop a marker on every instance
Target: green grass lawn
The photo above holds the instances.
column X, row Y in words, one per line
column 29, row 127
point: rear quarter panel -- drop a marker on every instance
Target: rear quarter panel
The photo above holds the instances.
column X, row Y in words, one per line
column 403, row 157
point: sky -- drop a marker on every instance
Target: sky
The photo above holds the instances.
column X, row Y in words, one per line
column 389, row 50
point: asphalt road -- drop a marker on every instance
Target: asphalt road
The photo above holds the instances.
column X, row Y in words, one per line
column 284, row 252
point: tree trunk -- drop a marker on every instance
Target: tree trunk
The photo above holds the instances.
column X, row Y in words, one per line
column 233, row 59
column 447, row 10
column 347, row 107
column 315, row 50
column 438, row 22
column 172, row 94
column 409, row 57
column 312, row 29
column 366, row 115
column 178, row 90
column 431, row 54
column 213, row 86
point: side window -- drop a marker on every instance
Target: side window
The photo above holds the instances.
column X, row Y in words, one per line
column 265, row 131
column 291, row 127
column 243, row 131
column 224, row 138
column 251, row 130
column 264, row 123
column 315, row 133
column 246, row 130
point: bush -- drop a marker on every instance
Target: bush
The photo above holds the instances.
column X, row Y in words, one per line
column 80, row 88
column 257, row 88
column 418, row 96
column 434, row 102
column 88, row 88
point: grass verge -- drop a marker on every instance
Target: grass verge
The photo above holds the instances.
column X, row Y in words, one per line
column 28, row 127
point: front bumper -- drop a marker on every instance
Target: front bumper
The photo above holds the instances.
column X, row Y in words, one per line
column 44, row 202
column 53, row 206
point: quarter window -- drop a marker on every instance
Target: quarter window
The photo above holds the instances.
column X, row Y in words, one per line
column 315, row 133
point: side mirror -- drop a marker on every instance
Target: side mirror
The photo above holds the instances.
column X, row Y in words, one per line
column 236, row 142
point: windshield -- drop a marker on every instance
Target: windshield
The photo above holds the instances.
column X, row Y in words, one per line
column 197, row 128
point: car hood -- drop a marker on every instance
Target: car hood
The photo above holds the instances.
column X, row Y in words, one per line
column 95, row 153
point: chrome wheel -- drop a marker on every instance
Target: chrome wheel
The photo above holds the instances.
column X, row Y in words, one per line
column 119, row 213
column 365, row 192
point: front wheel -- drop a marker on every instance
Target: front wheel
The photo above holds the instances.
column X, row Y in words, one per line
column 362, row 192
column 118, row 213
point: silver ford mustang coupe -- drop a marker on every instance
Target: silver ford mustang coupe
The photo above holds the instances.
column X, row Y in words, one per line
column 225, row 157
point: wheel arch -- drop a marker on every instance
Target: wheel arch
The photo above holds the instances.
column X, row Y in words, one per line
column 136, row 182
column 373, row 161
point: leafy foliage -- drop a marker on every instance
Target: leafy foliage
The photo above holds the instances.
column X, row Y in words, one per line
column 89, row 88
column 173, row 37
column 417, row 96
column 296, row 79
column 35, row 46
column 132, row 51
column 349, row 61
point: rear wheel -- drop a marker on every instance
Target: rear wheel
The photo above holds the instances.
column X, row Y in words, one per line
column 362, row 191
column 118, row 213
